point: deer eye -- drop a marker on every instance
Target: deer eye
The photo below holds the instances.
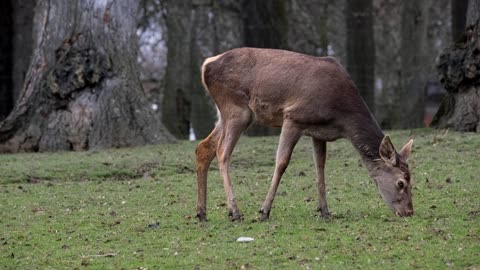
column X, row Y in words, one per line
column 400, row 184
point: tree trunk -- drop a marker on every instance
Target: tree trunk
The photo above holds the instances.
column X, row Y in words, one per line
column 23, row 12
column 459, row 72
column 176, row 99
column 473, row 13
column 197, row 29
column 361, row 48
column 459, row 18
column 6, row 48
column 266, row 23
column 82, row 89
column 311, row 32
column 410, row 104
column 216, row 28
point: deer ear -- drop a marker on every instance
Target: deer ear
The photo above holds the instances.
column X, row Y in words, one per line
column 406, row 150
column 387, row 151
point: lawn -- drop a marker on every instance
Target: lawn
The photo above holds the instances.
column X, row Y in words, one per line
column 134, row 208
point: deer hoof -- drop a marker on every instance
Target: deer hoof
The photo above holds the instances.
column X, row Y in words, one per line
column 324, row 212
column 235, row 216
column 264, row 215
column 202, row 217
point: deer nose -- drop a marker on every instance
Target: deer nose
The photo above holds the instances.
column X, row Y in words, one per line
column 407, row 213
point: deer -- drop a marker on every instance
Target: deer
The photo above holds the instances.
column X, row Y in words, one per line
column 304, row 95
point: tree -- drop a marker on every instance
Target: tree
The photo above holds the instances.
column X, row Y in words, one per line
column 217, row 27
column 361, row 48
column 197, row 29
column 459, row 17
column 22, row 40
column 409, row 107
column 82, row 89
column 176, row 100
column 16, row 26
column 6, row 94
column 459, row 71
column 266, row 23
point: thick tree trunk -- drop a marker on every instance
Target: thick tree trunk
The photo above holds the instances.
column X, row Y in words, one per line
column 409, row 107
column 361, row 48
column 266, row 23
column 23, row 13
column 176, row 99
column 82, row 89
column 473, row 13
column 459, row 72
column 311, row 20
column 6, row 48
column 459, row 18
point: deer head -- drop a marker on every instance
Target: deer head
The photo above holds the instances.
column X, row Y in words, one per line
column 392, row 176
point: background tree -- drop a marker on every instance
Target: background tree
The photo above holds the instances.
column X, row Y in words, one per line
column 82, row 89
column 197, row 29
column 459, row 72
column 360, row 48
column 176, row 100
column 16, row 24
column 217, row 27
column 6, row 82
column 459, row 18
column 23, row 13
column 409, row 107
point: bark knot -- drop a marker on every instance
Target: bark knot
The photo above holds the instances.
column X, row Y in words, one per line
column 76, row 69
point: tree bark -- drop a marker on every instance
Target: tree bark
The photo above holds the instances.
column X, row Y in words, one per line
column 197, row 29
column 459, row 18
column 459, row 72
column 266, row 23
column 409, row 107
column 23, row 13
column 473, row 13
column 82, row 90
column 216, row 28
column 176, row 99
column 361, row 48
column 6, row 48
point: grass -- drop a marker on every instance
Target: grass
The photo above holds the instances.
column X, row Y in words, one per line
column 134, row 209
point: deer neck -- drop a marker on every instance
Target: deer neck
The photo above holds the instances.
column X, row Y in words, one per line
column 366, row 136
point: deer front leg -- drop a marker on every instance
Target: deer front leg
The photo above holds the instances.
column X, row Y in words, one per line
column 320, row 155
column 288, row 139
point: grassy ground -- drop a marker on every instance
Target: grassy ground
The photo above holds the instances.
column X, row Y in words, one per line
column 134, row 209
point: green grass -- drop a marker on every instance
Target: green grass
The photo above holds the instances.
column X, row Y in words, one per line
column 134, row 209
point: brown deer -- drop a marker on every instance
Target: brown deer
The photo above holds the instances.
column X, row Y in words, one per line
column 304, row 95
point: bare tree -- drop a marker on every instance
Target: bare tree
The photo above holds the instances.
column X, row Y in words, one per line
column 82, row 89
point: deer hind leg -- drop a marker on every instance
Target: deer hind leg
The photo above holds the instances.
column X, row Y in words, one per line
column 234, row 123
column 205, row 153
column 320, row 155
column 288, row 139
